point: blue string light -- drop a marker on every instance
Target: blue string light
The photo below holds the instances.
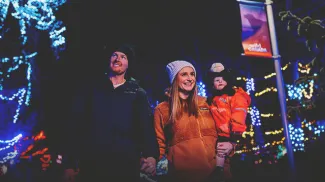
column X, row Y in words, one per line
column 24, row 92
column 8, row 144
column 250, row 85
column 30, row 14
column 38, row 14
column 255, row 116
column 201, row 89
column 295, row 92
column 297, row 138
column 317, row 129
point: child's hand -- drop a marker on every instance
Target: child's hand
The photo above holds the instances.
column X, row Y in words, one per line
column 224, row 148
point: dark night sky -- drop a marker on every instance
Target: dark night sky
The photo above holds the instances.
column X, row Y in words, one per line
column 162, row 31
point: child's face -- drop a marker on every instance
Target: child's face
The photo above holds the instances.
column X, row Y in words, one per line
column 219, row 83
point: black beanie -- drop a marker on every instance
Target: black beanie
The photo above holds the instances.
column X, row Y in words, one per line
column 127, row 49
column 218, row 70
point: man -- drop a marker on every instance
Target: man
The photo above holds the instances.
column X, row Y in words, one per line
column 112, row 127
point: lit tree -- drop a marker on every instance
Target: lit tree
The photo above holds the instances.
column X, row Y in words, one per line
column 22, row 22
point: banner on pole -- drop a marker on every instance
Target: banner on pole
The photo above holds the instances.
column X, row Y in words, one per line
column 255, row 30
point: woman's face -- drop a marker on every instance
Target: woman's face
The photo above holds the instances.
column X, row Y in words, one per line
column 186, row 79
column 219, row 83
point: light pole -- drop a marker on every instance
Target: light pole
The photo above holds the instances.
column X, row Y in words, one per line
column 280, row 87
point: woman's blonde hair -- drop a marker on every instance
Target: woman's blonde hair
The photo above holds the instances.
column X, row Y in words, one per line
column 179, row 106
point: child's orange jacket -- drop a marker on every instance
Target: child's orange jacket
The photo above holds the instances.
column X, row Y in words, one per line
column 229, row 112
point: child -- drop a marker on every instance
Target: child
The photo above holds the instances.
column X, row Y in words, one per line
column 228, row 106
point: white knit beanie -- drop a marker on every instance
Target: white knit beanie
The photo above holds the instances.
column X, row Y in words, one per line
column 174, row 67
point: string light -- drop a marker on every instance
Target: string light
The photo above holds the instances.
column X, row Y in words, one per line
column 30, row 14
column 242, row 78
column 250, row 85
column 4, row 5
column 46, row 160
column 265, row 146
column 315, row 127
column 311, row 90
column 269, row 76
column 38, row 14
column 303, row 69
column 250, row 132
column 270, row 89
column 255, row 116
column 9, row 144
column 201, row 89
column 22, row 93
column 275, row 132
column 297, row 138
column 267, row 115
column 295, row 92
column 281, row 151
column 273, row 74
column 299, row 135
column 29, row 151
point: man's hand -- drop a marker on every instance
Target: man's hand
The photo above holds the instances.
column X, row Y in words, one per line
column 149, row 166
column 69, row 175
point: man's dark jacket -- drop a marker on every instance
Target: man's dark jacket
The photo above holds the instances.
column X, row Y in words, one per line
column 109, row 130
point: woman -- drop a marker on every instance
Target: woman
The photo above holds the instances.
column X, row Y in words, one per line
column 185, row 129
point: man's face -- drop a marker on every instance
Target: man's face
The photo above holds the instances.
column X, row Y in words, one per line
column 219, row 83
column 119, row 63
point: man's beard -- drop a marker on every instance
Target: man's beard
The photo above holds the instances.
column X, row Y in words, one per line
column 118, row 72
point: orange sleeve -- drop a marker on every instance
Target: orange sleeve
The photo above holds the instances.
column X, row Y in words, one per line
column 220, row 112
column 239, row 109
column 159, row 128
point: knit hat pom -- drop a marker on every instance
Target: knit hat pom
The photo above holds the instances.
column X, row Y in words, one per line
column 217, row 67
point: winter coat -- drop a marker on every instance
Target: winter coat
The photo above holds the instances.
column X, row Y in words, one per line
column 189, row 142
column 110, row 129
column 229, row 112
